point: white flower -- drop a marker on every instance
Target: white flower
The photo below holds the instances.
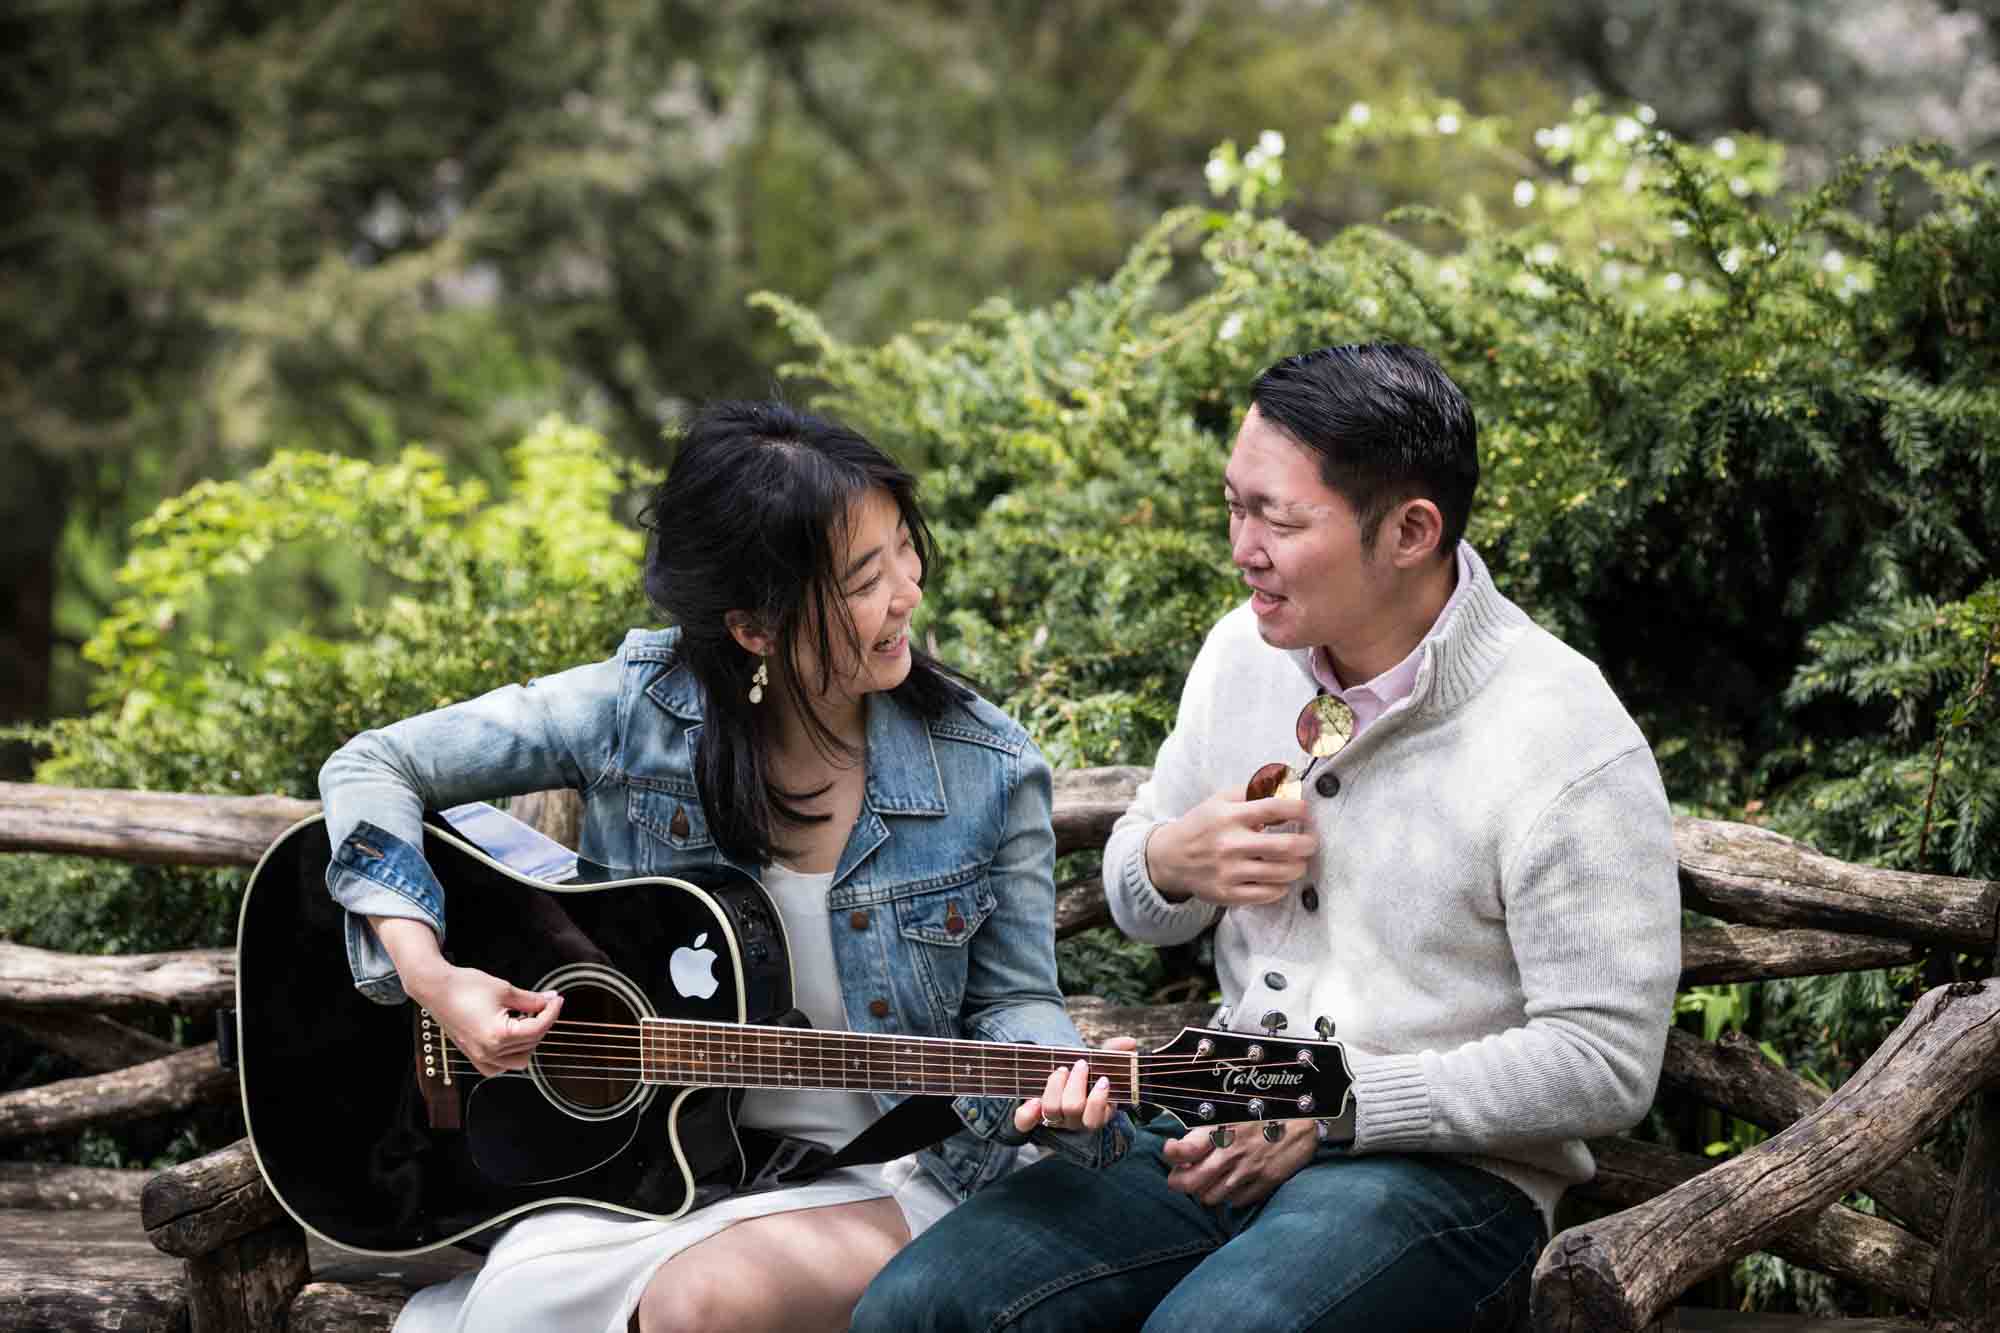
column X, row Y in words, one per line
column 1230, row 328
column 1833, row 261
column 1646, row 115
column 1626, row 130
column 1580, row 174
column 1544, row 254
column 1739, row 186
column 1674, row 282
column 1678, row 227
column 1359, row 113
column 1368, row 306
column 1271, row 143
column 1732, row 259
column 1217, row 171
column 1447, row 123
column 1524, row 193
column 1613, row 272
column 1450, row 276
column 1561, row 137
column 1725, row 147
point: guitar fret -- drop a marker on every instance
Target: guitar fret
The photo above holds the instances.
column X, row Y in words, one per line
column 745, row 1055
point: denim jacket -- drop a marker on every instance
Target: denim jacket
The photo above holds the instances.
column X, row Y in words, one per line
column 954, row 823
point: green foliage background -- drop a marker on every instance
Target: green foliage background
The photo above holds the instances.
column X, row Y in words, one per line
column 1739, row 446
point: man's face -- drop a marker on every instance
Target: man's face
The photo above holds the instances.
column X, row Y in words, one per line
column 1298, row 543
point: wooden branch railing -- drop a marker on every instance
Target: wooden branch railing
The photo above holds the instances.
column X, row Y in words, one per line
column 1619, row 1273
column 1788, row 911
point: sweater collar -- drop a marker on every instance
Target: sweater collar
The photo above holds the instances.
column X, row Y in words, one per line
column 1463, row 648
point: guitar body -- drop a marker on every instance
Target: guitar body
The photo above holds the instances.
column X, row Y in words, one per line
column 374, row 1150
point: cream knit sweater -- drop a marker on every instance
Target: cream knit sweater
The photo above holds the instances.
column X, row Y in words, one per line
column 1497, row 935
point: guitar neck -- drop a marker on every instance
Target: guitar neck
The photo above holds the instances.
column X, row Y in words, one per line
column 741, row 1055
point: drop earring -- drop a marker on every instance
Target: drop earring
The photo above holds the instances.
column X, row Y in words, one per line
column 758, row 681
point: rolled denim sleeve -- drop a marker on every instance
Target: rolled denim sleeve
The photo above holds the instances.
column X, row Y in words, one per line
column 555, row 731
column 1011, row 993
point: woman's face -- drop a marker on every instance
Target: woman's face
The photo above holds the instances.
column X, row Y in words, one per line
column 876, row 571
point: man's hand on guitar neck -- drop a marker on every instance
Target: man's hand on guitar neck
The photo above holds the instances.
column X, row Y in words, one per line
column 496, row 1024
column 1248, row 1171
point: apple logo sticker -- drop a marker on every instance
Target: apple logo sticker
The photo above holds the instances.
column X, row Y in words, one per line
column 693, row 970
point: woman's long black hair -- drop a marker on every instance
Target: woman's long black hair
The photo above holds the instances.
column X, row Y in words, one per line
column 752, row 517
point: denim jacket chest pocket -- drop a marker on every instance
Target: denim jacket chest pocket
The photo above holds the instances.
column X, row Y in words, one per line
column 936, row 922
column 669, row 811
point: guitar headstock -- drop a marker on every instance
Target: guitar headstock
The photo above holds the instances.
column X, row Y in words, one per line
column 1210, row 1076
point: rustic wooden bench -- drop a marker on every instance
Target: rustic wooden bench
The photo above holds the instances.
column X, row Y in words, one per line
column 1653, row 1224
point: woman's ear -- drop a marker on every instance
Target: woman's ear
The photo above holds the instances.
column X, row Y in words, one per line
column 742, row 627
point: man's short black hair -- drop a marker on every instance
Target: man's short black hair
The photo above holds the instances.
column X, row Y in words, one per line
column 1388, row 425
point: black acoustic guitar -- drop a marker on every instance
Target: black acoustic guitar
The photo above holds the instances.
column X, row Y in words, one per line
column 377, row 1134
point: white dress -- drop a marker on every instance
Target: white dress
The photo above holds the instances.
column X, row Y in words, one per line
column 585, row 1268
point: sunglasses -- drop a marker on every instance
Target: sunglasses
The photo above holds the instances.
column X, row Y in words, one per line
column 1325, row 726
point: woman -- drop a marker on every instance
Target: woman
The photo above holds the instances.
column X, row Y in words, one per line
column 788, row 727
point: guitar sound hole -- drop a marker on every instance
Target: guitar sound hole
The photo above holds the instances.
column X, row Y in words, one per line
column 590, row 1060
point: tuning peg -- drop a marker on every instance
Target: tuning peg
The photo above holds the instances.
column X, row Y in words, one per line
column 1324, row 1026
column 1273, row 1130
column 1222, row 1136
column 1273, row 1023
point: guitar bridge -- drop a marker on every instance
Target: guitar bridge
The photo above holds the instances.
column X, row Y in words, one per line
column 432, row 1049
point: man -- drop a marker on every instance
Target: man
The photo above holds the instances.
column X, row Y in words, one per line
column 1478, row 889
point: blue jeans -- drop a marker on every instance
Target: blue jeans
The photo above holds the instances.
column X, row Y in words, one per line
column 1376, row 1242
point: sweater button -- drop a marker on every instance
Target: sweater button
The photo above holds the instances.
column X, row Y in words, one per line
column 879, row 1008
column 1275, row 980
column 858, row 920
column 1327, row 784
column 1309, row 899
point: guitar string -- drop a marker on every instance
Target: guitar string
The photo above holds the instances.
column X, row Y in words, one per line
column 1120, row 1097
column 663, row 1032
column 625, row 1073
column 628, row 1059
column 694, row 1026
column 833, row 1047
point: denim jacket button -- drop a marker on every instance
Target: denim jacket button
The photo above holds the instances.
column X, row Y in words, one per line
column 1328, row 784
column 858, row 919
column 879, row 1008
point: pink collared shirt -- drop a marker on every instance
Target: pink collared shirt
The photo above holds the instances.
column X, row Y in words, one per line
column 1376, row 697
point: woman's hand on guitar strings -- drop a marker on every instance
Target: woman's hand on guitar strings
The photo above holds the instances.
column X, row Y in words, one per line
column 1069, row 1101
column 494, row 1023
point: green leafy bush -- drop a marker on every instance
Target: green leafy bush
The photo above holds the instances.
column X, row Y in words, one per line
column 469, row 591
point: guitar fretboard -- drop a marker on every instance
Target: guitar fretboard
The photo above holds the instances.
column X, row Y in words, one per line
column 740, row 1056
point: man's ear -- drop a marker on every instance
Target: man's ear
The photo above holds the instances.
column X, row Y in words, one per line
column 1412, row 533
column 743, row 628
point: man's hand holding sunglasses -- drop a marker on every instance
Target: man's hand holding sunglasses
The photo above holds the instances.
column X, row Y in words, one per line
column 1239, row 851
column 1226, row 850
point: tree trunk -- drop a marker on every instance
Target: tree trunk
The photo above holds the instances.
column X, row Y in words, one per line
column 191, row 980
column 158, row 1086
column 1620, row 1272
column 1732, row 1075
column 32, row 515
column 97, row 1043
column 1966, row 1294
